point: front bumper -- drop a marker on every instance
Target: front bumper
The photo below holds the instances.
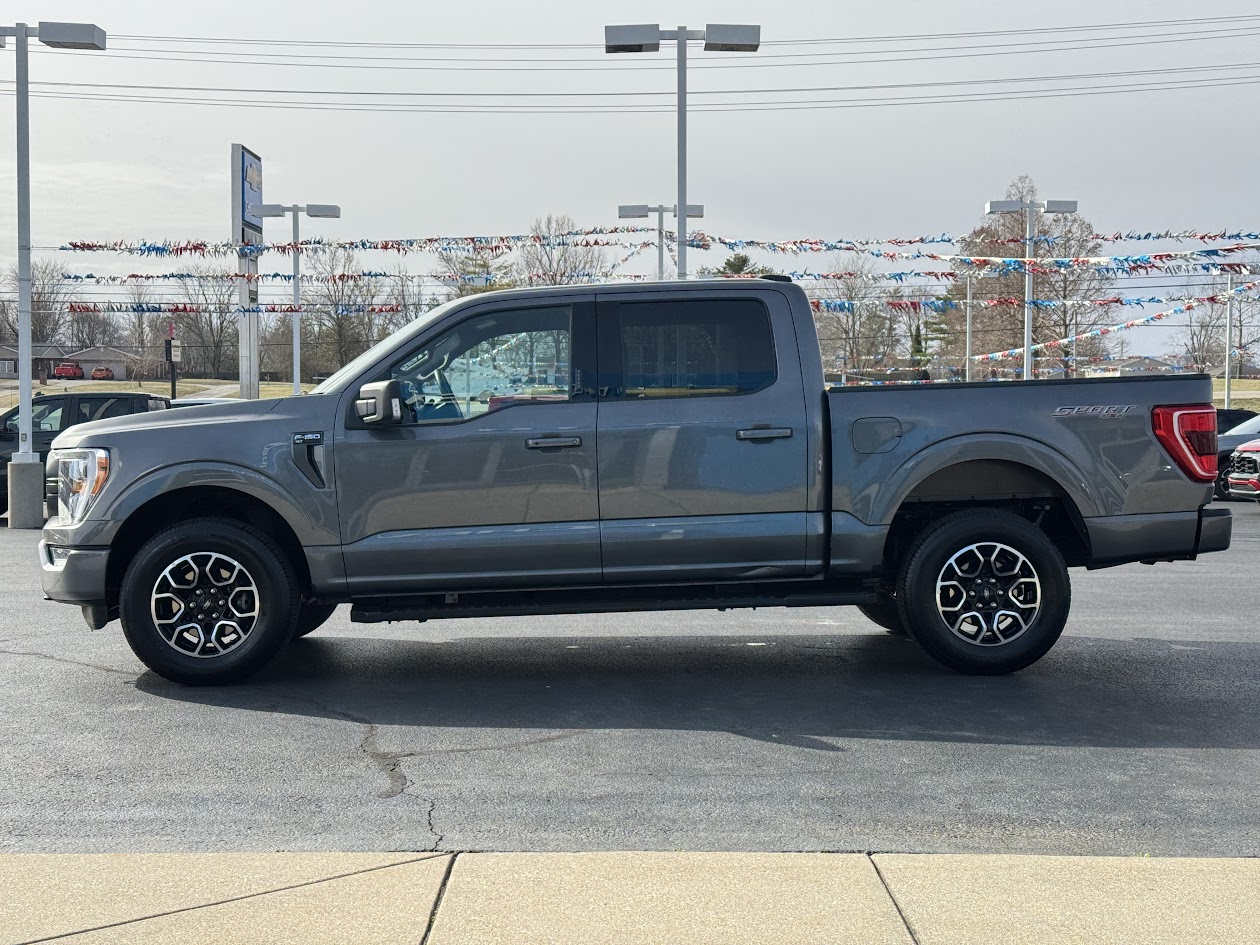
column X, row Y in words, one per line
column 1244, row 487
column 73, row 575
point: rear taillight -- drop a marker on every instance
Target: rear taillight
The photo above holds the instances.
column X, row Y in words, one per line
column 1188, row 433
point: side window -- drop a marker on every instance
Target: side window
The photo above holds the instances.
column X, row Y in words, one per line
column 696, row 348
column 100, row 408
column 45, row 416
column 486, row 363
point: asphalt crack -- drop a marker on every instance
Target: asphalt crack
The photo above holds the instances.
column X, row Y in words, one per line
column 69, row 662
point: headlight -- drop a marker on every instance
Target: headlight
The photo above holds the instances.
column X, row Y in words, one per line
column 81, row 476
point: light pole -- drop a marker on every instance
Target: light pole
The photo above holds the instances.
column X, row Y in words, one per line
column 1029, row 209
column 1229, row 336
column 646, row 37
column 26, row 472
column 639, row 211
column 326, row 210
column 969, row 276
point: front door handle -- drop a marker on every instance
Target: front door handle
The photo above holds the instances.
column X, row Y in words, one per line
column 764, row 433
column 553, row 442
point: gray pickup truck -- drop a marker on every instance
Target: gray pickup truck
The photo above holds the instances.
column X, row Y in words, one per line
column 617, row 448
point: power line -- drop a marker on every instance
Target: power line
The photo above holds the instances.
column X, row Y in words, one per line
column 494, row 65
column 955, row 98
column 904, row 37
column 1077, row 76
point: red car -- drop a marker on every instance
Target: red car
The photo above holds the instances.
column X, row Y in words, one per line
column 102, row 374
column 1244, row 471
column 68, row 369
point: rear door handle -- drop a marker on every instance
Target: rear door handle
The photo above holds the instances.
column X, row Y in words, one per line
column 765, row 433
column 552, row 442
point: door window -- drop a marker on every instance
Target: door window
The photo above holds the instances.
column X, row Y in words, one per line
column 45, row 416
column 695, row 348
column 101, row 408
column 486, row 363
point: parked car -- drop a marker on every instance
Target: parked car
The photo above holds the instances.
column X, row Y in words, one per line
column 687, row 457
column 53, row 413
column 1246, row 429
column 1228, row 419
column 102, row 373
column 68, row 369
column 1244, row 471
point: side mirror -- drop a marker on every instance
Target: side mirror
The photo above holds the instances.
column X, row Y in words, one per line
column 379, row 403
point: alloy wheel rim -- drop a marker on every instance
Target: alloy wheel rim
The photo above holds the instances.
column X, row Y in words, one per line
column 205, row 604
column 988, row 594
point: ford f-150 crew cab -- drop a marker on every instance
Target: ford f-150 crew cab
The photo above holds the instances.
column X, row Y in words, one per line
column 624, row 447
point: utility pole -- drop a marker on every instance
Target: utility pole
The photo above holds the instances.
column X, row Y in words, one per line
column 1229, row 334
column 172, row 356
column 968, row 361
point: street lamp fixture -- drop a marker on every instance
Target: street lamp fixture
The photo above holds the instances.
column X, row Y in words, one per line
column 26, row 472
column 639, row 211
column 1029, row 208
column 646, row 37
column 322, row 210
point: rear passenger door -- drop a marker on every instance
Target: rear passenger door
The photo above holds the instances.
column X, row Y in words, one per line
column 701, row 437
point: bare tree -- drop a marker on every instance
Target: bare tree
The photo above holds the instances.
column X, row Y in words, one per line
column 859, row 331
column 336, row 313
column 50, row 298
column 211, row 334
column 477, row 270
column 1000, row 327
column 143, row 333
column 551, row 257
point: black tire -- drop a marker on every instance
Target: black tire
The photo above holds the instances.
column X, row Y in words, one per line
column 1221, row 489
column 149, row 588
column 311, row 617
column 885, row 613
column 942, row 549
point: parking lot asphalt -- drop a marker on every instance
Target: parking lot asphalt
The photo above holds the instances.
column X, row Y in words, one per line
column 774, row 730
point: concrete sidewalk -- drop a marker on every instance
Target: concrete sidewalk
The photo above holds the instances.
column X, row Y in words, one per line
column 596, row 898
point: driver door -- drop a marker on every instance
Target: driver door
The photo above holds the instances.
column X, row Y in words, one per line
column 490, row 481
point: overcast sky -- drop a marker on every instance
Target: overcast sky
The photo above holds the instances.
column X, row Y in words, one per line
column 1144, row 161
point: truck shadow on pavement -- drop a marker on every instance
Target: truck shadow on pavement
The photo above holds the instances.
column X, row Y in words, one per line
column 807, row 691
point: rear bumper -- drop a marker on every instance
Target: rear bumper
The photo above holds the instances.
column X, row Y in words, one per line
column 1166, row 536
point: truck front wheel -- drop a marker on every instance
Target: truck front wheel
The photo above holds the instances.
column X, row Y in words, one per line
column 208, row 601
column 984, row 591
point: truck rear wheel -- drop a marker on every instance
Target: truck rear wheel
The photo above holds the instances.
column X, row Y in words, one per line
column 984, row 592
column 885, row 613
column 208, row 601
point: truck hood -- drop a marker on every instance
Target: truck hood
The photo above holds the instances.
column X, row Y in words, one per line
column 101, row 432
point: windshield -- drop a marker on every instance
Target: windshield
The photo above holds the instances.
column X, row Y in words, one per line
column 382, row 348
column 1246, row 427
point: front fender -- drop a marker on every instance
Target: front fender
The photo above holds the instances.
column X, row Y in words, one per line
column 313, row 519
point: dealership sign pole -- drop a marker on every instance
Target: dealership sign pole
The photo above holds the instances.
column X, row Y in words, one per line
column 247, row 230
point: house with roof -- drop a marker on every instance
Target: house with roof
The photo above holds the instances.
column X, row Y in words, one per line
column 44, row 357
column 118, row 360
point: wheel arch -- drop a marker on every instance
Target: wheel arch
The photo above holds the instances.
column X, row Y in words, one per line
column 1047, row 500
column 160, row 511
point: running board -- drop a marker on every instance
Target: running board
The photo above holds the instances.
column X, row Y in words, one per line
column 594, row 601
